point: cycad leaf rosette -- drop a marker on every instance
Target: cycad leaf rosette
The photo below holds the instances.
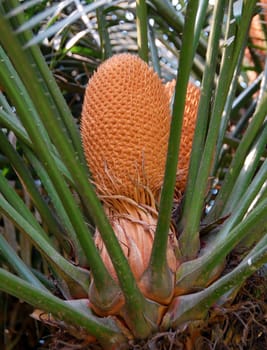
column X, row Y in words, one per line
column 125, row 129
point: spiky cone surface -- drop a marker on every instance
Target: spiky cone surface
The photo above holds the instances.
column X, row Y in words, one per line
column 125, row 127
column 187, row 135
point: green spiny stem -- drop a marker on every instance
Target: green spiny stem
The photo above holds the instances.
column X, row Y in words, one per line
column 176, row 20
column 250, row 167
column 250, row 240
column 60, row 103
column 12, row 123
column 168, row 44
column 153, row 50
column 247, row 199
column 226, row 115
column 6, row 107
column 203, row 269
column 105, row 330
column 203, row 116
column 195, row 306
column 59, row 164
column 45, row 280
column 141, row 23
column 14, row 199
column 26, row 222
column 29, row 183
column 229, row 61
column 174, row 38
column 243, row 122
column 106, row 47
column 158, row 261
column 200, row 19
column 168, row 12
column 17, row 264
column 245, row 96
column 238, row 161
column 233, row 142
column 67, row 230
column 19, row 96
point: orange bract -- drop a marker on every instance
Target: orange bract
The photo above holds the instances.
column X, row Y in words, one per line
column 125, row 127
column 135, row 227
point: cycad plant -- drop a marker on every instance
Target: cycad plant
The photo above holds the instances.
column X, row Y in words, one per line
column 141, row 232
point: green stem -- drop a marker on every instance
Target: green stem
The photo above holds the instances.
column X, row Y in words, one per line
column 200, row 19
column 104, row 330
column 247, row 199
column 195, row 306
column 242, row 122
column 202, row 270
column 67, row 230
column 11, row 122
column 60, row 103
column 106, row 48
column 141, row 23
column 153, row 51
column 28, row 182
column 17, row 264
column 176, row 21
column 238, row 161
column 158, row 260
column 202, row 123
column 229, row 61
column 16, row 202
column 16, row 91
column 246, row 95
column 247, row 172
column 226, row 115
column 25, row 221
